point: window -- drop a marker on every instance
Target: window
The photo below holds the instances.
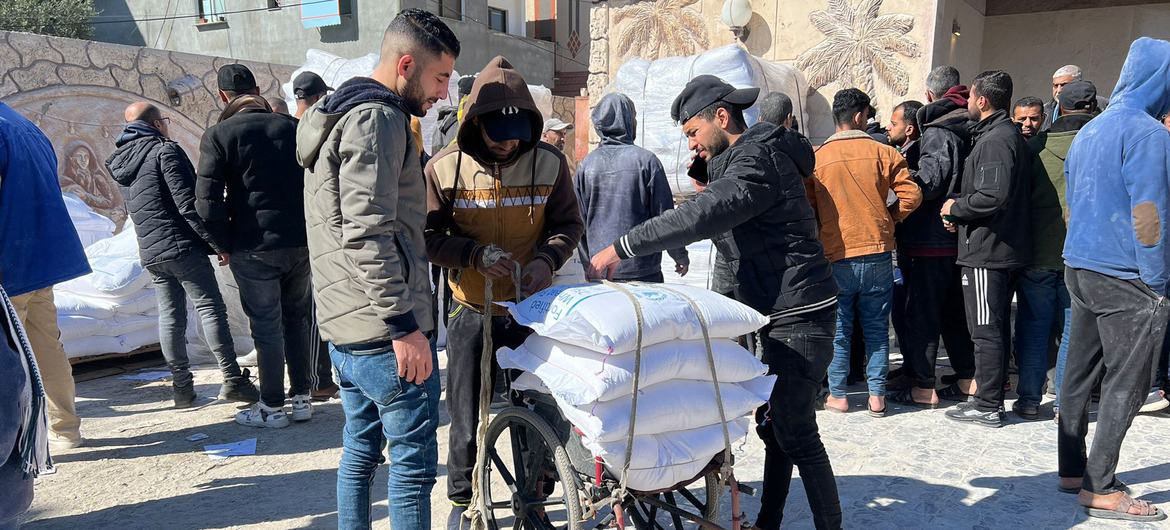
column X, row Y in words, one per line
column 274, row 4
column 452, row 9
column 498, row 20
column 211, row 11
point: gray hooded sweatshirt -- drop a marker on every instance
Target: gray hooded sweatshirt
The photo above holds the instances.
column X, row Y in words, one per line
column 619, row 186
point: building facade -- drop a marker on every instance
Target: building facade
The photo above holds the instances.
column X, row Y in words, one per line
column 885, row 47
column 536, row 35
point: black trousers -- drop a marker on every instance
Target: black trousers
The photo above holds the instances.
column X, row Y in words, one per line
column 987, row 293
column 934, row 307
column 1118, row 327
column 1161, row 377
column 464, row 348
column 798, row 352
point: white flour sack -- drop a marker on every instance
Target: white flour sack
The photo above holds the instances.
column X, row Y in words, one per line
column 578, row 376
column 671, row 406
column 660, row 461
column 601, row 318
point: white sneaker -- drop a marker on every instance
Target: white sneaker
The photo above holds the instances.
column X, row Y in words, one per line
column 1155, row 402
column 302, row 408
column 63, row 443
column 261, row 415
column 248, row 360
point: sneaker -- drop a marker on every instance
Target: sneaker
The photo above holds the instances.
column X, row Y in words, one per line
column 967, row 413
column 1155, row 402
column 1025, row 410
column 58, row 442
column 184, row 396
column 240, row 389
column 456, row 521
column 302, row 408
column 248, row 360
column 261, row 415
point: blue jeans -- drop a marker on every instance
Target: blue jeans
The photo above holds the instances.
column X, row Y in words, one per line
column 867, row 284
column 382, row 409
column 1043, row 298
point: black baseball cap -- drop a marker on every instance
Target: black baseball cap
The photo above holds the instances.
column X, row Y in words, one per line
column 706, row 90
column 1078, row 95
column 465, row 83
column 309, row 84
column 235, row 78
column 508, row 123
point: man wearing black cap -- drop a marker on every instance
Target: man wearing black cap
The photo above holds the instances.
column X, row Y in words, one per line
column 249, row 193
column 756, row 210
column 308, row 89
column 496, row 198
column 1042, row 295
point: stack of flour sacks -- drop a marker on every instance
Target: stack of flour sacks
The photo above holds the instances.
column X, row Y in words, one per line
column 583, row 355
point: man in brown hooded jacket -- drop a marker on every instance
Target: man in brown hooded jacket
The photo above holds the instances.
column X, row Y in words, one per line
column 496, row 198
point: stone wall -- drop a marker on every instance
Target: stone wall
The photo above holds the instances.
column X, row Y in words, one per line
column 76, row 92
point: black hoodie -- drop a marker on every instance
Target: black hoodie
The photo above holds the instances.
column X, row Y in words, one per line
column 942, row 150
column 756, row 210
column 158, row 182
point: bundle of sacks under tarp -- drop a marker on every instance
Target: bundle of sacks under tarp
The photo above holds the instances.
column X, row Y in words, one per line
column 582, row 353
column 113, row 309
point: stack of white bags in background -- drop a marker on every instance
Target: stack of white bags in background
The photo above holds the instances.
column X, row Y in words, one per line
column 583, row 355
column 113, row 309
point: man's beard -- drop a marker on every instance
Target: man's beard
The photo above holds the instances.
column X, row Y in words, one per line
column 415, row 96
column 718, row 146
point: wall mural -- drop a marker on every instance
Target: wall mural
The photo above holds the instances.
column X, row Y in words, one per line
column 652, row 29
column 859, row 44
column 75, row 91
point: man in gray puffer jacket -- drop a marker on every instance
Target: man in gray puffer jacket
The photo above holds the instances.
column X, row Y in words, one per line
column 620, row 186
column 365, row 205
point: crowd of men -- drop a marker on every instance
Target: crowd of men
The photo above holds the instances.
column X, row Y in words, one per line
column 329, row 222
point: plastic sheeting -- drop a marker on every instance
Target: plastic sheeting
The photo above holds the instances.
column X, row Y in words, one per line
column 336, row 70
column 653, row 86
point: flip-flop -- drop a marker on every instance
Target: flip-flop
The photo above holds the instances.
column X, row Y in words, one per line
column 876, row 413
column 906, row 397
column 1121, row 512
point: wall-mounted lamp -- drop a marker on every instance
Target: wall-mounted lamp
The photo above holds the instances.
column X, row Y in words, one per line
column 181, row 87
column 955, row 27
column 736, row 15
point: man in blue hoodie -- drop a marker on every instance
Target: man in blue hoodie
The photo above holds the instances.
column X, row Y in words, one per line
column 620, row 186
column 39, row 248
column 1117, row 261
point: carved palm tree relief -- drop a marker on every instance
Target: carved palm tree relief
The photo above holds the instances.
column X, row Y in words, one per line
column 652, row 29
column 859, row 44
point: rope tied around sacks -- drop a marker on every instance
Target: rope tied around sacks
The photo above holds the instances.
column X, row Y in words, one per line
column 491, row 255
column 622, row 491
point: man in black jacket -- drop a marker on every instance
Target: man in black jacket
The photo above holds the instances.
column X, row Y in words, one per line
column 756, row 210
column 927, row 252
column 158, row 182
column 992, row 217
column 260, row 223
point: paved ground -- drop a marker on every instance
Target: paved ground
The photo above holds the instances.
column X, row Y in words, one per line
column 912, row 469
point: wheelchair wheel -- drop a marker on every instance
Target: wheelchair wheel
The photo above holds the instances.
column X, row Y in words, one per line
column 528, row 483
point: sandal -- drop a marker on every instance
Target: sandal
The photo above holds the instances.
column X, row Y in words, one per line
column 876, row 413
column 906, row 397
column 952, row 392
column 1121, row 512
